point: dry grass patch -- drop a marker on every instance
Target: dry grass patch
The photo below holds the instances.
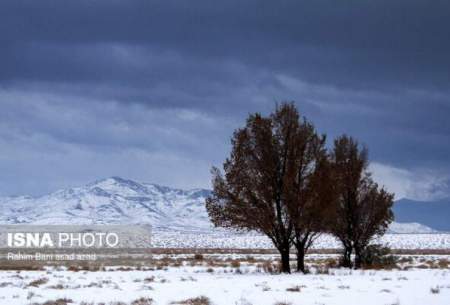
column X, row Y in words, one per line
column 443, row 263
column 250, row 259
column 86, row 267
column 406, row 259
column 188, row 279
column 149, row 279
column 201, row 300
column 435, row 290
column 38, row 282
column 235, row 263
column 142, row 301
column 215, row 263
column 294, row 289
column 56, row 302
column 20, row 265
column 267, row 267
column 58, row 287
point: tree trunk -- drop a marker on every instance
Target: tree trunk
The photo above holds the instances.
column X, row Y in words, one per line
column 301, row 258
column 357, row 258
column 347, row 258
column 285, row 266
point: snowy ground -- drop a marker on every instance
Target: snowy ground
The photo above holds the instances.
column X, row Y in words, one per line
column 232, row 280
column 224, row 239
column 238, row 277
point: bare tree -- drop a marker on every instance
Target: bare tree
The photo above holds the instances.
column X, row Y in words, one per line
column 362, row 210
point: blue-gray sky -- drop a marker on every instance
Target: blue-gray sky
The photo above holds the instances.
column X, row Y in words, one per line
column 152, row 90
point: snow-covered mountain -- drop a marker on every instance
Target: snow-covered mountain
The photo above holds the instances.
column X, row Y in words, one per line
column 409, row 227
column 121, row 201
column 111, row 201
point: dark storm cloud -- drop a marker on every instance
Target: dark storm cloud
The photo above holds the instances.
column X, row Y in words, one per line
column 100, row 76
column 362, row 42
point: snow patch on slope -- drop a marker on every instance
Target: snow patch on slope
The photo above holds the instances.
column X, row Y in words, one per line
column 409, row 227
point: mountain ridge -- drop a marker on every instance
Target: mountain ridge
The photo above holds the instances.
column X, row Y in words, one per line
column 116, row 200
column 435, row 214
column 110, row 201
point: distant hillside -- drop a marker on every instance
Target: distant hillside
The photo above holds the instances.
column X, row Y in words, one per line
column 112, row 201
column 121, row 201
column 435, row 215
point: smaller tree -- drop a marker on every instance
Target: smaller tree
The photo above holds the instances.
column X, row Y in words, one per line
column 362, row 210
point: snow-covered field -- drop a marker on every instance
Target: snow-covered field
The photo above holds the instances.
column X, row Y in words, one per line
column 226, row 286
column 224, row 239
column 222, row 277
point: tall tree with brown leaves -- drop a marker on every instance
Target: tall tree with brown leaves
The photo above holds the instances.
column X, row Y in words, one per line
column 362, row 209
column 251, row 194
column 269, row 181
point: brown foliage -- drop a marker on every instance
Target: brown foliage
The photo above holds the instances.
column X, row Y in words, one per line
column 273, row 182
column 363, row 210
column 255, row 192
column 280, row 181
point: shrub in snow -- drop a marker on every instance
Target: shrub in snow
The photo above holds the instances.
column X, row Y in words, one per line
column 235, row 263
column 202, row 300
column 294, row 289
column 142, row 301
column 435, row 290
column 38, row 282
column 379, row 257
column 198, row 257
column 56, row 302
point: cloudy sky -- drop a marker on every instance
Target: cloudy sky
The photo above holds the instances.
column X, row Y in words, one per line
column 152, row 90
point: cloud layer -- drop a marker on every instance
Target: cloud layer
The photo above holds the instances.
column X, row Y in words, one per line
column 152, row 90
